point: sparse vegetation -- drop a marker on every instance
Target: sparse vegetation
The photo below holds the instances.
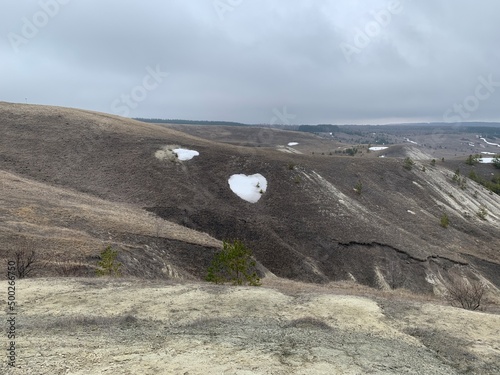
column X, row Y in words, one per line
column 26, row 262
column 433, row 162
column 358, row 187
column 463, row 183
column 459, row 179
column 482, row 213
column 408, row 163
column 473, row 159
column 493, row 185
column 108, row 266
column 234, row 264
column 445, row 220
column 496, row 161
column 71, row 269
column 465, row 293
column 351, row 151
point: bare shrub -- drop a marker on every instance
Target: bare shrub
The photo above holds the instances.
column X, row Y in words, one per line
column 26, row 262
column 69, row 269
column 27, row 259
column 464, row 293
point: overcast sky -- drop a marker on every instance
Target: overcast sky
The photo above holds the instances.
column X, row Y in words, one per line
column 256, row 61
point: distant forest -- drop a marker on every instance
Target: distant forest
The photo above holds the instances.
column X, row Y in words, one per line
column 483, row 130
column 486, row 129
column 188, row 122
column 321, row 128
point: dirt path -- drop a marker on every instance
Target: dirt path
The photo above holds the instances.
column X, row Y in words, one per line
column 94, row 326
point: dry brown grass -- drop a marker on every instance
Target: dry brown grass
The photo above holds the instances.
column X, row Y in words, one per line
column 88, row 178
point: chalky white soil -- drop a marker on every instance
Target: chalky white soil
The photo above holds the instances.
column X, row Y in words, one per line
column 102, row 326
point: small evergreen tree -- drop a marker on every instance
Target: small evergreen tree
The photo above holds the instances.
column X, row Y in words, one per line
column 358, row 187
column 445, row 221
column 482, row 213
column 496, row 161
column 108, row 266
column 234, row 263
column 408, row 163
column 472, row 159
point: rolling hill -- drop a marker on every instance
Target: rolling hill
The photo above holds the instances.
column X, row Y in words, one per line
column 74, row 180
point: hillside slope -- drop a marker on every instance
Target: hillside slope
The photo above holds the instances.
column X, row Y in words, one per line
column 310, row 224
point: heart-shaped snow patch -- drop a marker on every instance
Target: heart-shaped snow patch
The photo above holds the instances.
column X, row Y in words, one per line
column 249, row 188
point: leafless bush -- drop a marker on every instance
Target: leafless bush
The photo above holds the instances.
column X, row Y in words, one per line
column 68, row 269
column 24, row 253
column 26, row 262
column 466, row 294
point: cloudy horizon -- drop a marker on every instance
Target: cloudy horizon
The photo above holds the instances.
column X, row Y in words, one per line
column 256, row 61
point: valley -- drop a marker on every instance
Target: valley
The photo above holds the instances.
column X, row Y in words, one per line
column 361, row 231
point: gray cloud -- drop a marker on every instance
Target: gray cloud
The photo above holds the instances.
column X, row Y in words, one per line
column 242, row 59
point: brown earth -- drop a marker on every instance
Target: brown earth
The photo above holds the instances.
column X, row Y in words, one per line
column 310, row 225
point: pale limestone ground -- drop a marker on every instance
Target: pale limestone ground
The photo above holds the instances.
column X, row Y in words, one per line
column 98, row 326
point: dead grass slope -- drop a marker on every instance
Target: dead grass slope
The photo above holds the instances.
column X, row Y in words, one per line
column 69, row 229
column 310, row 225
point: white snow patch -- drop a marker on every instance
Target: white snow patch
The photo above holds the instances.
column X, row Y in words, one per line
column 408, row 140
column 378, row 148
column 486, row 160
column 489, row 143
column 488, row 153
column 184, row 154
column 410, row 212
column 293, row 144
column 249, row 188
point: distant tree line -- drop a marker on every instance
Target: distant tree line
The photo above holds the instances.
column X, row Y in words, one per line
column 322, row 128
column 485, row 131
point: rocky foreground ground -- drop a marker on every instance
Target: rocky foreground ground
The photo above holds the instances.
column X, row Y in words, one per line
column 128, row 326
